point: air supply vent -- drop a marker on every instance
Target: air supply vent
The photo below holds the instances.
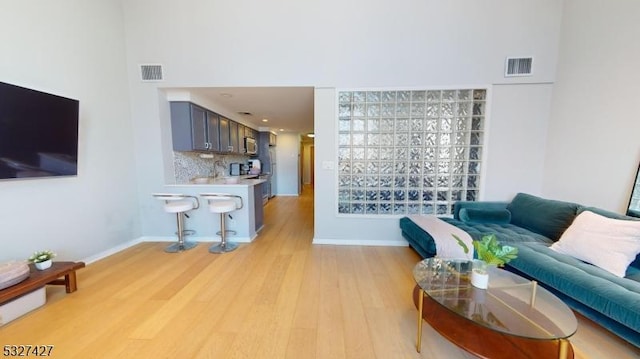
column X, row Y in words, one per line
column 518, row 66
column 151, row 72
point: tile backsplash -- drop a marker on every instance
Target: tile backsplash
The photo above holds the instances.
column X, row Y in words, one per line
column 188, row 165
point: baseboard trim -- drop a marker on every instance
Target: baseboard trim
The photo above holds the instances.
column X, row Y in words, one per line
column 111, row 251
column 360, row 242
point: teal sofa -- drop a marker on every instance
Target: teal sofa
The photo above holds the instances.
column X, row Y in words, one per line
column 532, row 224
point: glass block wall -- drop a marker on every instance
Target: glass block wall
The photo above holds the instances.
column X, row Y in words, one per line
column 409, row 152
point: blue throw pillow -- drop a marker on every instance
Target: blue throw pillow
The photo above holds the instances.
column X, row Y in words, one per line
column 500, row 216
column 544, row 216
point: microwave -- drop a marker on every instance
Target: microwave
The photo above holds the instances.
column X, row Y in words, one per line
column 250, row 145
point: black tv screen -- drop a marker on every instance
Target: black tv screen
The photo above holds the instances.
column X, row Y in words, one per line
column 38, row 133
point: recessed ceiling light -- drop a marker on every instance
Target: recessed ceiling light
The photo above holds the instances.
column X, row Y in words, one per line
column 245, row 113
column 311, row 135
column 282, row 129
column 265, row 120
column 227, row 95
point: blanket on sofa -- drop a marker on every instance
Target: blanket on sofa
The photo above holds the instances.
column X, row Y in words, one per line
column 442, row 233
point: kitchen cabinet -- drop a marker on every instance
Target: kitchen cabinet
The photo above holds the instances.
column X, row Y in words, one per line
column 193, row 128
column 225, row 140
column 258, row 206
column 233, row 137
column 242, row 129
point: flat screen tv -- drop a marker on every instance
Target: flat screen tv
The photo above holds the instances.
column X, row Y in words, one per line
column 38, row 134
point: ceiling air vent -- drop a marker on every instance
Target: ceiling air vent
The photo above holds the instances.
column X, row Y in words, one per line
column 151, row 72
column 518, row 66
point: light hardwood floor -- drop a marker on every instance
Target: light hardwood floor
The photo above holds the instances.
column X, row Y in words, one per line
column 278, row 297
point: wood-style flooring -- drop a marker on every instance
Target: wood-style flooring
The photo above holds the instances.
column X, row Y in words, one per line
column 278, row 297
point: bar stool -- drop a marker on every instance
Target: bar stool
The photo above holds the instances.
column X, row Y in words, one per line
column 223, row 203
column 179, row 204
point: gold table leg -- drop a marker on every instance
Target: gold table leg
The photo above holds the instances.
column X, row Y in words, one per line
column 420, row 303
column 564, row 349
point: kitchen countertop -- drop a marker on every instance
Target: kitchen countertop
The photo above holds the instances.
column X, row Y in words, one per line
column 243, row 181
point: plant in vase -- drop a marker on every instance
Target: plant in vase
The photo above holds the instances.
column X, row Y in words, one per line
column 42, row 259
column 489, row 253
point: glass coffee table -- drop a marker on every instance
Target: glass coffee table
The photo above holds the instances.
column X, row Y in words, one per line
column 513, row 318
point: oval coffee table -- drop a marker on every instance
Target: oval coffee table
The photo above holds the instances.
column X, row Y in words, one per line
column 513, row 318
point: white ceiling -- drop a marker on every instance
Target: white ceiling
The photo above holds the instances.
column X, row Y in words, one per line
column 286, row 108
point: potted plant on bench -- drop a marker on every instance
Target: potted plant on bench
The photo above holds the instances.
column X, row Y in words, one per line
column 42, row 259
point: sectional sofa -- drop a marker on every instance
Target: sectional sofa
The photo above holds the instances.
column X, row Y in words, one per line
column 588, row 257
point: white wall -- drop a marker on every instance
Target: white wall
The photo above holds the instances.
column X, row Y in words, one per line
column 337, row 44
column 75, row 49
column 593, row 150
column 287, row 157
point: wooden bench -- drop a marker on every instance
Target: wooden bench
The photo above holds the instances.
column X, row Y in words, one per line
column 40, row 278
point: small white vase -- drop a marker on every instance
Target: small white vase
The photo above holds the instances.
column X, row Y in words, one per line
column 479, row 278
column 43, row 265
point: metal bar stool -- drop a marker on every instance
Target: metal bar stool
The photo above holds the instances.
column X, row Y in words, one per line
column 179, row 204
column 223, row 203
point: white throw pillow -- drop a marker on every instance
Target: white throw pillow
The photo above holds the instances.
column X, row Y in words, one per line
column 611, row 244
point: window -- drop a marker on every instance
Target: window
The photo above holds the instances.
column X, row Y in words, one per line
column 409, row 152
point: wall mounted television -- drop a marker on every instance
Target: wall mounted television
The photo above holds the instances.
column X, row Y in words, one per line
column 38, row 134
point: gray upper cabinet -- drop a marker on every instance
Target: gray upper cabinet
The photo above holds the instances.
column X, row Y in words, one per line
column 193, row 128
column 233, row 137
column 225, row 140
column 241, row 135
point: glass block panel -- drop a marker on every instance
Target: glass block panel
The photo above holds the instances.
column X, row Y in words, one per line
column 415, row 154
column 433, row 109
column 427, row 196
column 387, row 125
column 399, row 195
column 429, row 181
column 357, row 208
column 372, row 181
column 402, row 139
column 388, row 96
column 344, row 97
column 343, row 207
column 418, row 96
column 474, row 167
column 358, row 167
column 344, row 139
column 415, row 181
column 373, row 125
column 357, row 153
column 399, row 208
column 447, row 109
column 373, row 153
column 403, row 110
column 449, row 95
column 464, row 95
column 359, row 96
column 387, row 153
column 402, row 125
column 357, row 139
column 403, row 96
column 388, row 109
column 386, row 181
column 373, row 96
column 344, row 110
column 373, row 168
column 478, row 108
column 413, row 151
column 344, row 181
column 431, row 125
column 373, row 139
column 463, row 109
column 357, row 181
column 479, row 94
column 434, row 96
column 373, row 110
column 344, row 153
column 413, row 208
column 344, row 167
column 427, row 208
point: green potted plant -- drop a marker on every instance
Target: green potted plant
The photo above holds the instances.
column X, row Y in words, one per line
column 489, row 253
column 42, row 259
